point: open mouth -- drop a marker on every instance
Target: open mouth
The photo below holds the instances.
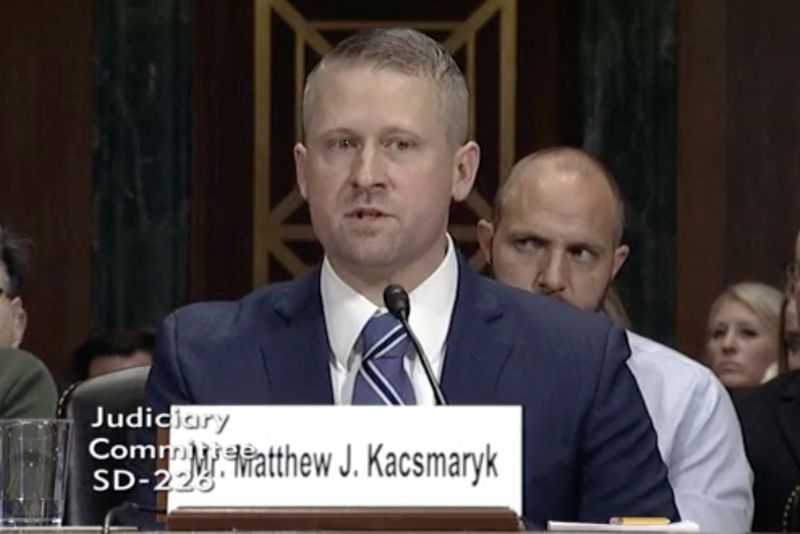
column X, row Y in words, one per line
column 365, row 214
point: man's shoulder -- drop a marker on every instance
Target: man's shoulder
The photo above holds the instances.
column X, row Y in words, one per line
column 679, row 390
column 550, row 337
column 674, row 378
column 542, row 313
column 668, row 361
column 208, row 314
column 14, row 361
column 18, row 366
column 26, row 387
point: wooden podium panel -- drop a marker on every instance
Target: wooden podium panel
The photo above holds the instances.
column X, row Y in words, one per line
column 335, row 518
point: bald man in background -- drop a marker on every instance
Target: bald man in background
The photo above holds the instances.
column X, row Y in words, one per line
column 557, row 230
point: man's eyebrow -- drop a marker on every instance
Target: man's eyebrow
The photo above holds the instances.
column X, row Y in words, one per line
column 397, row 129
column 336, row 131
column 517, row 233
column 586, row 244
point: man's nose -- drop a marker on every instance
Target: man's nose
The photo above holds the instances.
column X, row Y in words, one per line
column 551, row 277
column 367, row 167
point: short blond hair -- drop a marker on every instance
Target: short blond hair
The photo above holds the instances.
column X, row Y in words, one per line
column 407, row 52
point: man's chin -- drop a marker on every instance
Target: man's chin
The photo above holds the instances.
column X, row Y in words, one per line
column 373, row 256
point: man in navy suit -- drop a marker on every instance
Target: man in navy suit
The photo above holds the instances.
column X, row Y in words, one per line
column 385, row 151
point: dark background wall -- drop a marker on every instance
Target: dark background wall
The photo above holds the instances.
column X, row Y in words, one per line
column 736, row 188
column 222, row 161
column 738, row 179
column 46, row 162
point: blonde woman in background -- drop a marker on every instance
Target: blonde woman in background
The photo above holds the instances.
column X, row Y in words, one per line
column 743, row 340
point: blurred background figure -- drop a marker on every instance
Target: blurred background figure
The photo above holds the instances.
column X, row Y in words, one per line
column 13, row 270
column 113, row 351
column 743, row 340
column 790, row 333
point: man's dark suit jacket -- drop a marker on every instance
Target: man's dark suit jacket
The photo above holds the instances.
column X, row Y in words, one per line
column 589, row 446
column 770, row 417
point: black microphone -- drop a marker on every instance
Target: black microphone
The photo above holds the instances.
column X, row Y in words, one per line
column 396, row 300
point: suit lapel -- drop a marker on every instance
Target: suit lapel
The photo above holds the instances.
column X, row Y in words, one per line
column 476, row 351
column 789, row 416
column 296, row 355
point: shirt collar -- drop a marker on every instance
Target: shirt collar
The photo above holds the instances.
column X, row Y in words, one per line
column 347, row 311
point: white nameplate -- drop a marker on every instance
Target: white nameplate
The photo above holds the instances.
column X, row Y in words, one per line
column 259, row 456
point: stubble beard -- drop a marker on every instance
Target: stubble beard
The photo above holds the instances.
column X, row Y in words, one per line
column 373, row 250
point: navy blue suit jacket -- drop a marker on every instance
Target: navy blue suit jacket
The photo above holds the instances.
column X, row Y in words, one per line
column 589, row 446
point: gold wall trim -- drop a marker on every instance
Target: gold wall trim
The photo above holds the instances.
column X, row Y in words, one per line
column 438, row 25
column 301, row 25
column 261, row 108
column 508, row 85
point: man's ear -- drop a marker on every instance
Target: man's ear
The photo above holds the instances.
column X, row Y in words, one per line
column 485, row 232
column 20, row 322
column 300, row 154
column 620, row 255
column 466, row 161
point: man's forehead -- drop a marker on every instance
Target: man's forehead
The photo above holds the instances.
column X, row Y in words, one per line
column 558, row 229
column 338, row 70
column 335, row 84
column 568, row 210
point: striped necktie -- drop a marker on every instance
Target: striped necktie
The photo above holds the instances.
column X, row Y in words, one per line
column 382, row 378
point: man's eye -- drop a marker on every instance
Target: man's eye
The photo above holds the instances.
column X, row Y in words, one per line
column 342, row 144
column 527, row 244
column 400, row 145
column 583, row 255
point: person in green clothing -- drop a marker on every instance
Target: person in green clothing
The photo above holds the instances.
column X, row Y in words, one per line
column 26, row 387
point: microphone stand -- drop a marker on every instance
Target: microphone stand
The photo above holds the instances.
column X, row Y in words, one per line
column 397, row 302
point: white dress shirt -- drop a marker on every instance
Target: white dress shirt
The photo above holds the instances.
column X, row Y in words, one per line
column 699, row 437
column 347, row 311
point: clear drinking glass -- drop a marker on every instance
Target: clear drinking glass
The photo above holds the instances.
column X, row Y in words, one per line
column 33, row 471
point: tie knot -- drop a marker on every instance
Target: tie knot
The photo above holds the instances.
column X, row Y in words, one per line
column 383, row 337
